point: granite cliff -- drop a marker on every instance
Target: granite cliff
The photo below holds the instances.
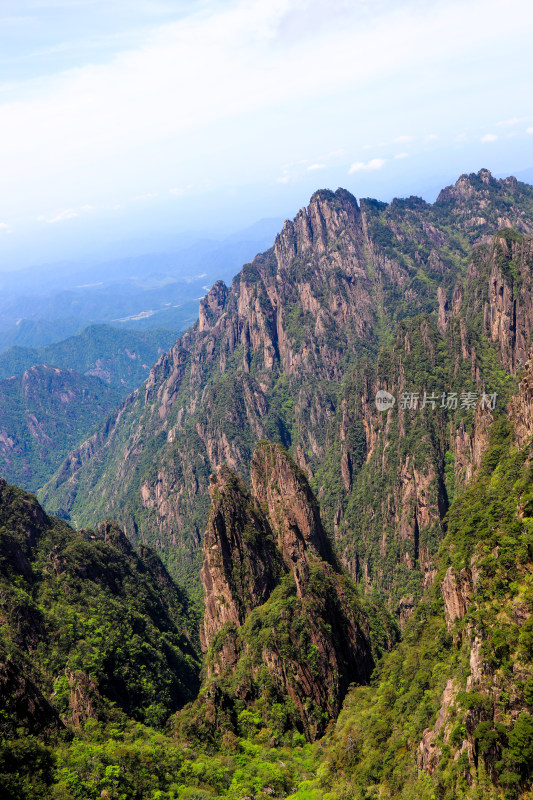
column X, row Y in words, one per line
column 352, row 297
column 283, row 627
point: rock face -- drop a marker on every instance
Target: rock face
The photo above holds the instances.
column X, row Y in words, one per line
column 457, row 591
column 521, row 406
column 281, row 487
column 274, row 602
column 241, row 562
column 295, row 350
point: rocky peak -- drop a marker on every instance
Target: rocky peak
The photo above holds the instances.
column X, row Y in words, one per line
column 282, row 489
column 314, row 228
column 114, row 536
column 241, row 563
column 467, row 186
column 269, row 356
column 212, row 306
column 318, row 636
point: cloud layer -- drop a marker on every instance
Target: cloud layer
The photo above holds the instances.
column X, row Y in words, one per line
column 226, row 94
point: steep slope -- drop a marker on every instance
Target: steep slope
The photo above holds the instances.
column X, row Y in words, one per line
column 285, row 632
column 449, row 713
column 90, row 629
column 121, row 358
column 276, row 356
column 44, row 413
column 400, row 469
column 452, row 713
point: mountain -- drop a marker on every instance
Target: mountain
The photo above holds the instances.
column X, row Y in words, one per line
column 451, row 714
column 91, row 630
column 120, row 358
column 48, row 406
column 353, row 297
column 33, row 333
column 149, row 290
column 449, row 711
column 43, row 414
column 285, row 633
column 337, row 458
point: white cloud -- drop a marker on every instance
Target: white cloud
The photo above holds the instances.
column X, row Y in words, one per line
column 529, row 130
column 147, row 196
column 367, row 166
column 431, row 137
column 312, row 167
column 401, row 155
column 198, row 81
column 513, row 121
column 283, row 179
column 62, row 216
column 489, row 137
column 5, row 228
column 400, row 139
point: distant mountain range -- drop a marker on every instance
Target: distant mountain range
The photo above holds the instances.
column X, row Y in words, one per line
column 52, row 396
column 161, row 290
column 120, row 358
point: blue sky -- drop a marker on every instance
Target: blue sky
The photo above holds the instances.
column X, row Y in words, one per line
column 122, row 119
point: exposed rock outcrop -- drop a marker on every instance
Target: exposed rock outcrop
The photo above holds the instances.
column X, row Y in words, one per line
column 457, row 592
column 521, row 406
column 282, row 489
column 320, row 642
column 241, row 562
column 272, row 354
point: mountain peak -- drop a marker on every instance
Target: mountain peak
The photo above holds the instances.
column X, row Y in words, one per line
column 468, row 186
column 241, row 564
column 308, row 637
column 212, row 305
column 282, row 487
column 327, row 217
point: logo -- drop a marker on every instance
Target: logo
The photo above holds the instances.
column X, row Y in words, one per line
column 384, row 400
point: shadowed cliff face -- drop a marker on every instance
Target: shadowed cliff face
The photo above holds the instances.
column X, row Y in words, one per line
column 281, row 624
column 294, row 352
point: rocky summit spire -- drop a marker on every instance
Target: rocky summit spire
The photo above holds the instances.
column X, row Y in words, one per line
column 274, row 598
column 281, row 488
column 241, row 562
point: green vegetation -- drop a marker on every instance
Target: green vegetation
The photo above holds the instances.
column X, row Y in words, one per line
column 482, row 746
column 102, row 637
column 121, row 358
column 90, row 630
column 44, row 414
